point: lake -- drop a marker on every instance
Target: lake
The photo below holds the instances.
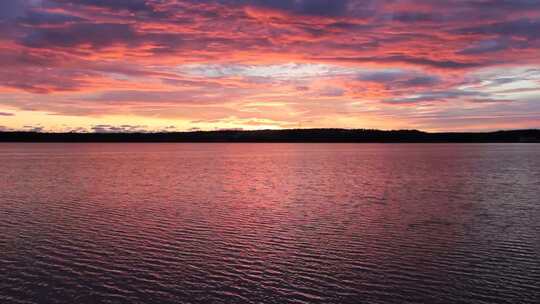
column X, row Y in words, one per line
column 269, row 223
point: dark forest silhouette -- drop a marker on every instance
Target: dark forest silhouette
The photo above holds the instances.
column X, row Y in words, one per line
column 293, row 135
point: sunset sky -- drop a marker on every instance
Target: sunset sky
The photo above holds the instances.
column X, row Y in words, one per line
column 166, row 65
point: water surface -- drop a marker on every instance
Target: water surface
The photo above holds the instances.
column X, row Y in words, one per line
column 269, row 223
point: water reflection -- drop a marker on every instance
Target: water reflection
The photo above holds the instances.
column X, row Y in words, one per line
column 269, row 223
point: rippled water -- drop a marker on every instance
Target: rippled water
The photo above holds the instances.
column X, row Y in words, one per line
column 269, row 223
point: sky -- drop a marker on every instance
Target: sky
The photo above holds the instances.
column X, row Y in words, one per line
column 176, row 65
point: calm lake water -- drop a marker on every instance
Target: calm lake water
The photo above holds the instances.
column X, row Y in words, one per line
column 269, row 223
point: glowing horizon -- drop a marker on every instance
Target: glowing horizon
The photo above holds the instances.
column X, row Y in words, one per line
column 174, row 65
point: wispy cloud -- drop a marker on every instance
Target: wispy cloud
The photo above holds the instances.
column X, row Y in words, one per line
column 346, row 63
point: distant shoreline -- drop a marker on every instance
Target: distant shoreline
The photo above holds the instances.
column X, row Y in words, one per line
column 282, row 136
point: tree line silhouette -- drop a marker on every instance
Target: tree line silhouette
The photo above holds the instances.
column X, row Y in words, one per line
column 292, row 136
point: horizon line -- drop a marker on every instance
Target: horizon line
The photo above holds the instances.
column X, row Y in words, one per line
column 266, row 130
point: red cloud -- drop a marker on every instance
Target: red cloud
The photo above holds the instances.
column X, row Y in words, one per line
column 116, row 57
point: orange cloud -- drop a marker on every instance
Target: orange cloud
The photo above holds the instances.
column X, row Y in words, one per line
column 274, row 63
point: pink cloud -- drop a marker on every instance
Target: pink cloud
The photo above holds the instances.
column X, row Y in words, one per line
column 93, row 57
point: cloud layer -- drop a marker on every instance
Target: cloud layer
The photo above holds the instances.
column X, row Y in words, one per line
column 434, row 65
